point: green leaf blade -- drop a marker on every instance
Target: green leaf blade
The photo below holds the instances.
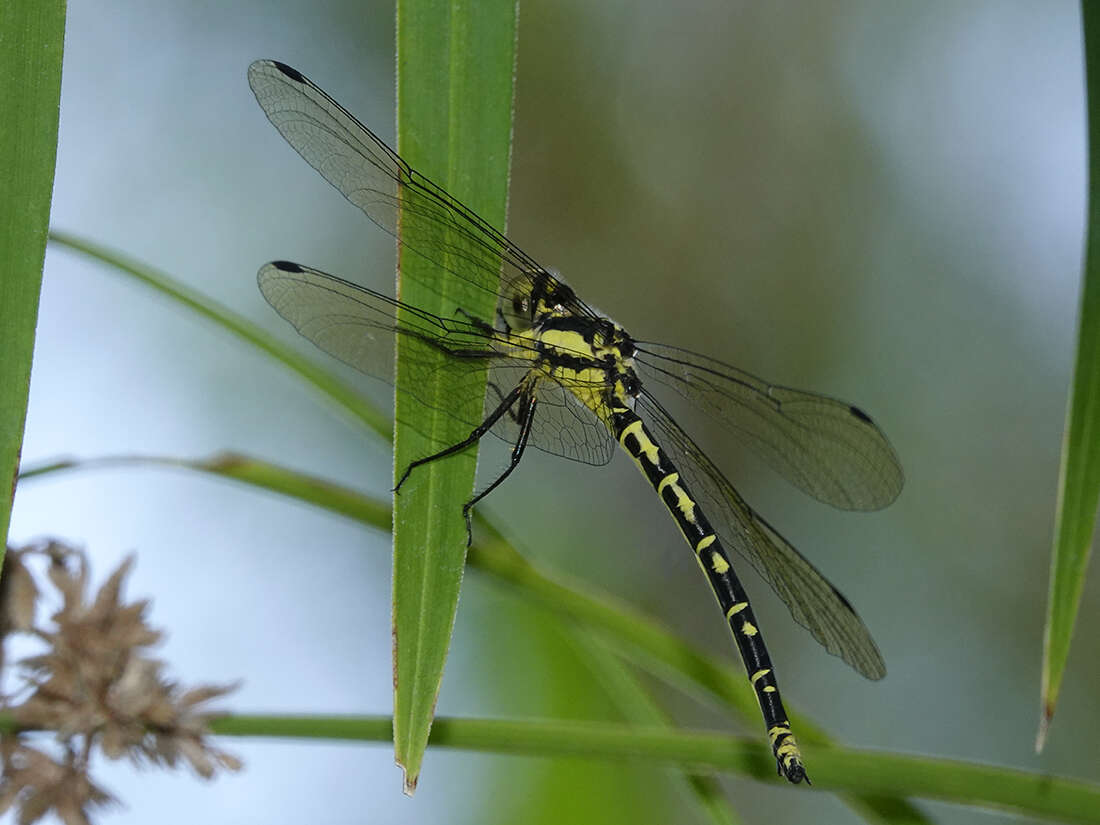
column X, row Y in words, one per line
column 455, row 91
column 1079, row 481
column 32, row 40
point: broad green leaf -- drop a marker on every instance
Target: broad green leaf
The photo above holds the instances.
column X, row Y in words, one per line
column 1079, row 481
column 32, row 40
column 455, row 88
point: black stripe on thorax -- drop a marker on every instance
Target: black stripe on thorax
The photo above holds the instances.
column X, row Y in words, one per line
column 587, row 328
column 554, row 357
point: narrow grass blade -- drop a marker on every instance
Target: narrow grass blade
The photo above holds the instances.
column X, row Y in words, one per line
column 1079, row 482
column 32, row 40
column 339, row 392
column 254, row 472
column 964, row 783
column 455, row 87
column 841, row 769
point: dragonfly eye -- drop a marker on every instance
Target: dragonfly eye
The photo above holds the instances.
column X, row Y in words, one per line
column 561, row 297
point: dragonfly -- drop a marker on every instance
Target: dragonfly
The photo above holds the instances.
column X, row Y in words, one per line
column 566, row 379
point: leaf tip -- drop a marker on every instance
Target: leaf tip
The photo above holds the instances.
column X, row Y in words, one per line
column 408, row 782
column 1044, row 725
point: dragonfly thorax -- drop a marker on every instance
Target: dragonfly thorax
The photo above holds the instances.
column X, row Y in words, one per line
column 592, row 357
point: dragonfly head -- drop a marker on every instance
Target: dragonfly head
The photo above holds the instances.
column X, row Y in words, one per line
column 540, row 297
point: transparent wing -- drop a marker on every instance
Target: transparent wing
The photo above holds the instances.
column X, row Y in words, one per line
column 358, row 326
column 829, row 448
column 420, row 214
column 814, row 603
column 562, row 426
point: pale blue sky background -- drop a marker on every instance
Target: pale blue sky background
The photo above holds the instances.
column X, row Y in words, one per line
column 879, row 201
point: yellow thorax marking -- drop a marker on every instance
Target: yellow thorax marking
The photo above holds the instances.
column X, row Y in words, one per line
column 571, row 343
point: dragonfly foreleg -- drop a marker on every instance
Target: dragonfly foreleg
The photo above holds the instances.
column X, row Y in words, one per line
column 480, row 323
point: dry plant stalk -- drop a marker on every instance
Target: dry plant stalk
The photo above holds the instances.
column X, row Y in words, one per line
column 95, row 686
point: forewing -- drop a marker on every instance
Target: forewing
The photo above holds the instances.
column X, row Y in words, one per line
column 358, row 326
column 400, row 200
column 829, row 448
column 814, row 602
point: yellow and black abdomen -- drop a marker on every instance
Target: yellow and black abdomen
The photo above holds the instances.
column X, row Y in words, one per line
column 632, row 433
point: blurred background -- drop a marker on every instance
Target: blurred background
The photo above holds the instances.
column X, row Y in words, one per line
column 883, row 202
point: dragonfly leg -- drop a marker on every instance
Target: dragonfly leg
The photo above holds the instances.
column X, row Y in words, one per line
column 480, row 323
column 527, row 405
column 474, row 436
column 495, row 389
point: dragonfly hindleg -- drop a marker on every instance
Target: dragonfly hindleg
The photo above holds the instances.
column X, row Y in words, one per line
column 474, row 436
column 526, row 415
